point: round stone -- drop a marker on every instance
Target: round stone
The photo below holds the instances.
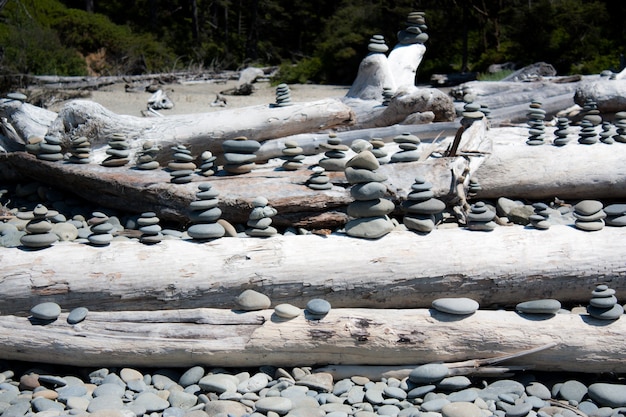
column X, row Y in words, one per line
column 603, row 302
column 430, row 206
column 429, row 373
column 240, row 145
column 573, row 390
column 318, row 307
column 219, row 383
column 461, row 409
column 459, row 306
column 191, row 376
column 206, row 231
column 368, row 191
column 544, row 306
column 287, row 311
column 608, row 395
column 251, row 300
column 359, row 175
column 612, row 313
column 589, row 226
column 279, row 405
column 588, row 207
column 377, row 207
column 41, row 240
column 100, row 239
column 369, row 227
column 364, row 160
column 423, row 223
column 77, row 315
column 46, row 311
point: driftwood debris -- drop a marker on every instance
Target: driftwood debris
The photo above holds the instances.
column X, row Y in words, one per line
column 345, row 336
column 609, row 95
column 400, row 270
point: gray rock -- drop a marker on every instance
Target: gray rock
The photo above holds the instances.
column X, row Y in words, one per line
column 464, row 395
column 455, row 305
column 518, row 410
column 588, row 207
column 544, row 306
column 369, row 227
column 225, row 407
column 318, row 307
column 254, row 384
column 454, row 383
column 191, row 376
column 538, row 389
column 105, row 402
column 609, row 395
column 461, row 409
column 435, row 405
column 109, row 389
column 151, row 402
column 573, row 390
column 318, row 381
column 251, row 300
column 287, row 311
column 429, row 373
column 77, row 315
column 41, row 404
column 612, row 313
column 395, row 392
column 46, row 311
column 219, row 383
column 182, row 399
column 278, row 405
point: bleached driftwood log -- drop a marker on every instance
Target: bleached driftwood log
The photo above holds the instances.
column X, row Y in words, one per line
column 226, row 338
column 400, row 270
column 609, row 95
column 573, row 171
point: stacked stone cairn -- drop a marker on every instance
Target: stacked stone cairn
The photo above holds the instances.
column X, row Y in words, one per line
column 587, row 134
column 606, row 135
column 378, row 149
column 319, row 180
column 240, row 155
column 150, row 229
column 118, row 151
column 260, row 219
column 80, row 150
column 603, row 304
column 615, row 215
column 293, row 155
column 562, row 132
column 369, row 210
column 377, row 45
column 415, row 31
column 388, row 93
column 591, row 112
column 207, row 164
column 147, row 156
column 50, row 149
column 484, row 109
column 589, row 215
column 473, row 188
column 101, row 229
column 620, row 126
column 39, row 229
column 536, row 127
column 335, row 154
column 182, row 166
column 471, row 113
column 480, row 218
column 32, row 144
column 409, row 148
column 540, row 218
column 204, row 214
column 421, row 207
column 283, row 96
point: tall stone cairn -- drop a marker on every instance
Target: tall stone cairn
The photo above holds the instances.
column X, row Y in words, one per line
column 80, row 150
column 415, row 32
column 536, row 127
column 335, row 154
column 620, row 127
column 421, row 207
column 204, row 214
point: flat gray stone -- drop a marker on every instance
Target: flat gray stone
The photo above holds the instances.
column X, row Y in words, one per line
column 219, row 383
column 359, row 175
column 612, row 313
column 370, row 208
column 368, row 191
column 369, row 227
column 573, row 390
column 588, row 207
column 46, row 311
column 458, row 305
column 287, row 311
column 206, row 231
column 428, row 373
column 77, row 315
column 461, row 409
column 105, row 402
column 191, row 376
column 318, row 307
column 182, row 399
column 538, row 389
column 544, row 306
column 279, row 405
column 251, row 300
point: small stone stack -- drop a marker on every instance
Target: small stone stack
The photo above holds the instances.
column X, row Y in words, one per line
column 615, row 215
column 150, row 229
column 100, row 228
column 421, row 207
column 293, row 155
column 369, row 210
column 39, row 229
column 484, row 109
column 80, row 150
column 603, row 304
column 540, row 219
column 471, row 113
column 536, row 127
column 388, row 93
column 378, row 149
column 260, row 219
column 204, row 213
column 562, row 132
column 587, row 134
column 335, row 154
column 409, row 148
column 182, row 166
column 318, row 179
column 415, row 31
column 591, row 112
column 240, row 155
column 283, row 96
column 118, row 151
column 50, row 149
column 606, row 136
column 207, row 164
column 589, row 215
column 377, row 44
column 147, row 156
column 473, row 188
column 620, row 126
column 481, row 218
column 32, row 144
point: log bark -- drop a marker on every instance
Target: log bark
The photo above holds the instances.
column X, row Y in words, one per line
column 400, row 270
column 227, row 338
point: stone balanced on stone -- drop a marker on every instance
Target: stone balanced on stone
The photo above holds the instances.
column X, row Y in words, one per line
column 240, row 155
column 591, row 113
column 409, row 148
column 319, row 180
column 562, row 132
column 50, row 149
column 540, row 219
column 369, row 210
column 149, row 227
column 606, row 135
column 204, row 214
column 421, row 207
column 415, row 31
column 283, row 96
column 118, row 151
column 481, row 218
column 474, row 188
column 388, row 93
column 101, row 229
column 80, row 150
column 182, row 167
column 335, row 154
column 620, row 127
column 587, row 134
column 615, row 215
column 207, row 164
column 377, row 44
column 39, row 229
column 589, row 215
column 536, row 127
column 260, row 219
column 32, row 144
column 293, row 156
column 147, row 156
column 379, row 151
column 603, row 304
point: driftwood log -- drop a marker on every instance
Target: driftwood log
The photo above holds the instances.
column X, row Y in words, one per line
column 609, row 95
column 400, row 270
column 345, row 336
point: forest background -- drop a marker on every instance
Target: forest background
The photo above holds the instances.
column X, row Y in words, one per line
column 316, row 41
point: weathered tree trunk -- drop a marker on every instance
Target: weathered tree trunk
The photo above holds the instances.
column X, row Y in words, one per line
column 401, row 270
column 227, row 338
column 609, row 95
